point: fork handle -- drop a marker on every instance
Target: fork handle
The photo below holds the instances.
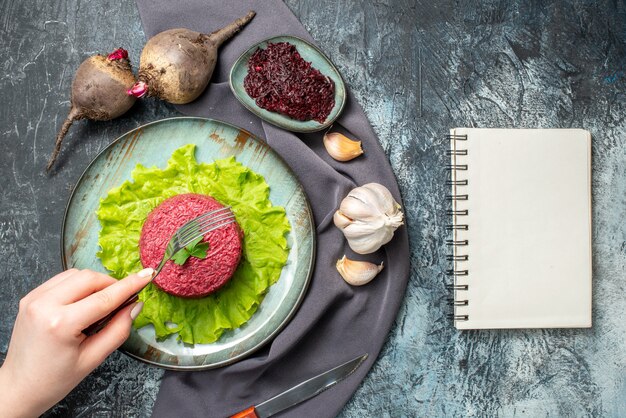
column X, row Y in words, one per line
column 102, row 322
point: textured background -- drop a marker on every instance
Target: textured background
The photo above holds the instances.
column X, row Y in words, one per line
column 418, row 68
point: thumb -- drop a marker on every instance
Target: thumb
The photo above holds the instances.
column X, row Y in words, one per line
column 96, row 348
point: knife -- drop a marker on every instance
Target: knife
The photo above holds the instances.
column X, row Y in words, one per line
column 302, row 391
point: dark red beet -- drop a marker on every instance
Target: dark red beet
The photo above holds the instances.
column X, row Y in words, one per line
column 177, row 64
column 282, row 81
column 98, row 92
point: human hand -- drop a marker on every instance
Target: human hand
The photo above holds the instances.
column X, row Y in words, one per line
column 48, row 354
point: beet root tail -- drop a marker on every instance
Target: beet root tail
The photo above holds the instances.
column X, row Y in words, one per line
column 74, row 115
column 221, row 35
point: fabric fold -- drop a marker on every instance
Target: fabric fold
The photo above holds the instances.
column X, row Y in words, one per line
column 335, row 322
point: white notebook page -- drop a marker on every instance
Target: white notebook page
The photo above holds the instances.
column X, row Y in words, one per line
column 529, row 228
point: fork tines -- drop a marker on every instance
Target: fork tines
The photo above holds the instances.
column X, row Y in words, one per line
column 192, row 224
column 205, row 224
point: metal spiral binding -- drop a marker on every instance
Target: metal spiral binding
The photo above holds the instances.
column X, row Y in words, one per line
column 456, row 242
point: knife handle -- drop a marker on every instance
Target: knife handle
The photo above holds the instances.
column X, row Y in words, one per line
column 248, row 413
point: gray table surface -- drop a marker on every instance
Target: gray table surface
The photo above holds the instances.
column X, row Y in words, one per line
column 418, row 68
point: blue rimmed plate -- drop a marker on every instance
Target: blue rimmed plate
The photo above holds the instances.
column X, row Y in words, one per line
column 152, row 145
column 311, row 54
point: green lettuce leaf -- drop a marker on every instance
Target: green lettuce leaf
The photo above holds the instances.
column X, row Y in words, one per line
column 122, row 214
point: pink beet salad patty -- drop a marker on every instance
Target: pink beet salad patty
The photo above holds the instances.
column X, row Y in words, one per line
column 197, row 277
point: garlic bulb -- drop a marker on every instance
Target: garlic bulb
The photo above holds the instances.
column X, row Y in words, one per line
column 342, row 148
column 368, row 217
column 357, row 273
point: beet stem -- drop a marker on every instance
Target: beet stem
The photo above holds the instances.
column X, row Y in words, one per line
column 139, row 89
column 221, row 35
column 118, row 54
column 73, row 115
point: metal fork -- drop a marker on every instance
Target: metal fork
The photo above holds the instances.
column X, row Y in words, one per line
column 197, row 227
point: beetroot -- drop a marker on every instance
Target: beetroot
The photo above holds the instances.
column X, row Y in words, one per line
column 98, row 92
column 280, row 80
column 177, row 64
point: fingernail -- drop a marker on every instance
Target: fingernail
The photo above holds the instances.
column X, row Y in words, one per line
column 134, row 313
column 146, row 273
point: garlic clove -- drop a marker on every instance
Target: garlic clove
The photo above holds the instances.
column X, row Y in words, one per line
column 341, row 221
column 342, row 148
column 385, row 199
column 377, row 197
column 366, row 238
column 355, row 207
column 357, row 273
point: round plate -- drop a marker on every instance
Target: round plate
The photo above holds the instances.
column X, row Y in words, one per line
column 152, row 145
column 311, row 54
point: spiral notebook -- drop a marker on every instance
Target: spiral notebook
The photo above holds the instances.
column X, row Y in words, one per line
column 521, row 228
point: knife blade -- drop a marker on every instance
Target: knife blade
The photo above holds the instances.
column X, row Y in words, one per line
column 302, row 391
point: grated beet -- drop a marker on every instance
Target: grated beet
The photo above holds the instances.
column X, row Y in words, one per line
column 280, row 80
